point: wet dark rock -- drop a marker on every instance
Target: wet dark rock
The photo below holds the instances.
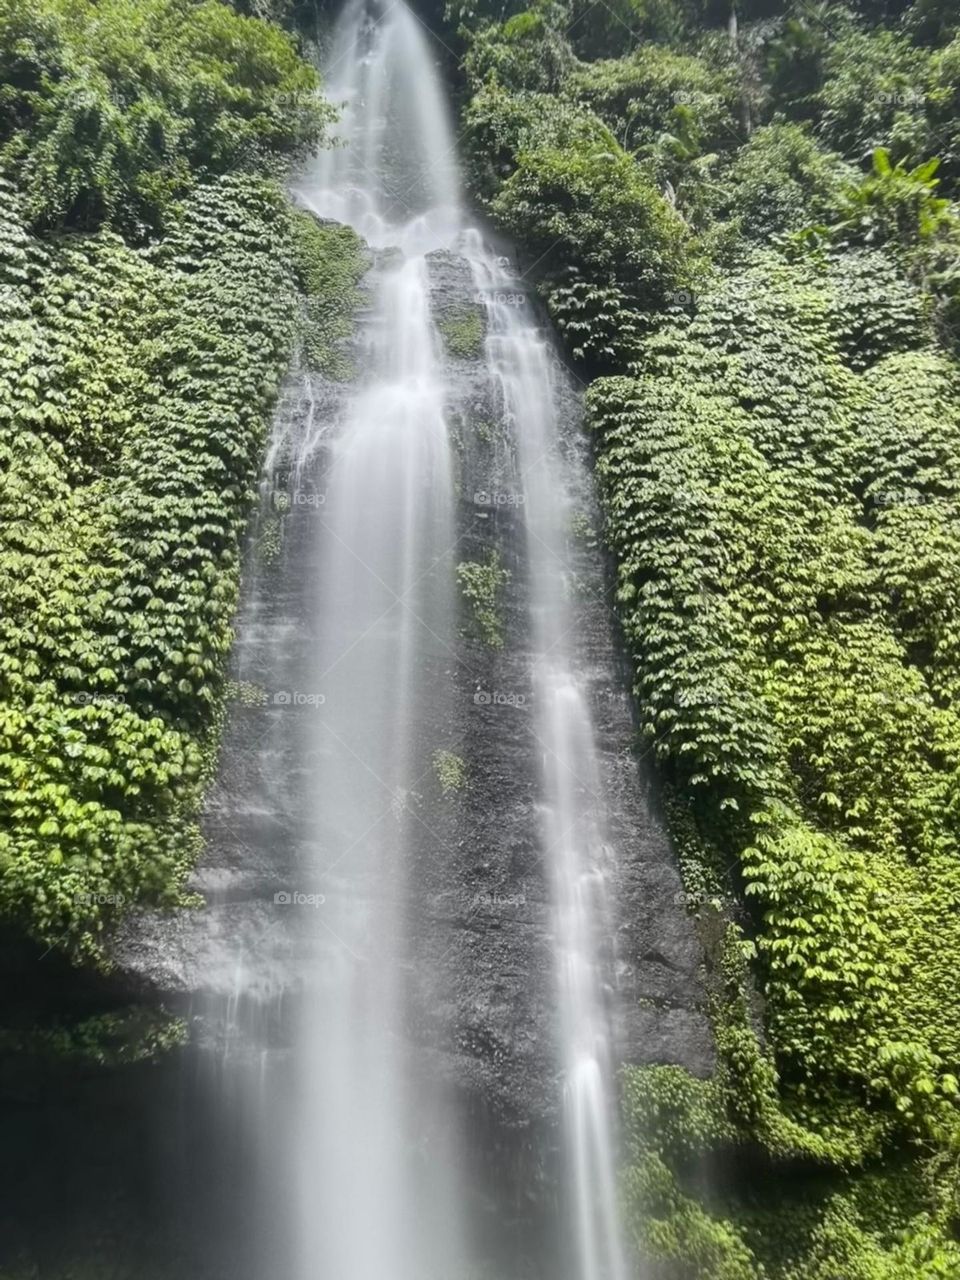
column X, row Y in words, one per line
column 480, row 917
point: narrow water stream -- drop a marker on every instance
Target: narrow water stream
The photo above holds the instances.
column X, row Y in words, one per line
column 574, row 813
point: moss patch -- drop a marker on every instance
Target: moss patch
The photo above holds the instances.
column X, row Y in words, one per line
column 481, row 586
column 463, row 332
column 330, row 261
column 450, row 770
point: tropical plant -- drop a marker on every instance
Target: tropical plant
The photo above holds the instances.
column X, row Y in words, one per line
column 112, row 109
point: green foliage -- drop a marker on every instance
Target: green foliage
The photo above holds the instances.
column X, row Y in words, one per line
column 776, row 450
column 623, row 24
column 894, row 205
column 879, row 1225
column 527, row 52
column 873, row 94
column 753, row 481
column 500, row 126
column 875, row 312
column 481, row 585
column 643, row 96
column 451, row 771
column 932, row 21
column 780, row 181
column 463, row 332
column 591, row 213
column 795, row 58
column 674, row 111
column 676, row 1230
column 329, row 263
column 943, row 110
column 110, row 109
column 122, row 512
column 135, row 391
column 135, row 1034
column 605, row 243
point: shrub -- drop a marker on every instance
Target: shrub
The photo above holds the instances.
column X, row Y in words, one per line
column 780, row 181
column 590, row 212
column 638, row 96
column 110, row 109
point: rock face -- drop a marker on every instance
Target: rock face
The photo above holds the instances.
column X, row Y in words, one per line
column 480, row 913
column 483, row 1006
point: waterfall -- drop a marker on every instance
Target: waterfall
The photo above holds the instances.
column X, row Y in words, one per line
column 343, row 1016
column 376, row 1163
column 388, row 542
column 575, row 839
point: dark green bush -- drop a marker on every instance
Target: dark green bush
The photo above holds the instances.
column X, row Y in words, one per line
column 111, row 109
column 780, row 181
column 589, row 214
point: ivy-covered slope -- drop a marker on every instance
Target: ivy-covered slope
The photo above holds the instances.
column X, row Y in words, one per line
column 137, row 377
column 737, row 221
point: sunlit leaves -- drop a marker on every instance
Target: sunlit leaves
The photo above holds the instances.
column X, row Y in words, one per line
column 122, row 508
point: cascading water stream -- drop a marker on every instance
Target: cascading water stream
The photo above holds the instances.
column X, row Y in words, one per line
column 370, row 1204
column 366, row 1146
column 402, row 1002
column 573, row 808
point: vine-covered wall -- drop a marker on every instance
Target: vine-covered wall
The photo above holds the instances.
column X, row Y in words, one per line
column 738, row 221
column 155, row 282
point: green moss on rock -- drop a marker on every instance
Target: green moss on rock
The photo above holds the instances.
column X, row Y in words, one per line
column 463, row 332
column 481, row 585
column 330, row 260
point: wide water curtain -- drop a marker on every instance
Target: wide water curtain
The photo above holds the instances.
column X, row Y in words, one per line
column 375, row 1127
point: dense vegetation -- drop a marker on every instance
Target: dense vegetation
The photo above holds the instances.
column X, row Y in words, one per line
column 742, row 221
column 151, row 270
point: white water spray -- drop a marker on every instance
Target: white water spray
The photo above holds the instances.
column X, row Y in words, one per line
column 368, row 1207
column 573, row 811
column 376, row 1152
